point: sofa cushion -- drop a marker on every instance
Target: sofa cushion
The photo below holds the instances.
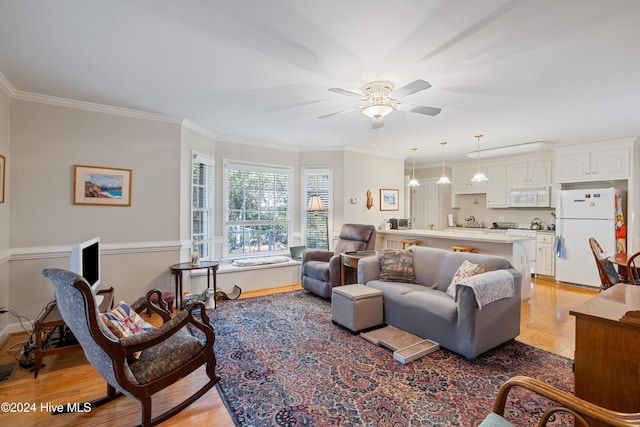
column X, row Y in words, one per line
column 396, row 266
column 467, row 269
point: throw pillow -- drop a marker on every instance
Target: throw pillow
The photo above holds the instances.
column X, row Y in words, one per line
column 396, row 266
column 467, row 269
column 123, row 321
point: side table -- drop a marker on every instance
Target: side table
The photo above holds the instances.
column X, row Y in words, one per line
column 350, row 260
column 50, row 334
column 177, row 269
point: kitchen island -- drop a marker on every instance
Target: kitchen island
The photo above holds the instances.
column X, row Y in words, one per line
column 512, row 248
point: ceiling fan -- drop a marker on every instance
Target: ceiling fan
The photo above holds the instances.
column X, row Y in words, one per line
column 382, row 99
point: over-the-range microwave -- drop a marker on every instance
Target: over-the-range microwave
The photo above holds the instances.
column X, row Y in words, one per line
column 529, row 197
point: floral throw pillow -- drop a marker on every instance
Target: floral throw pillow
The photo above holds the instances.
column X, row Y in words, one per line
column 123, row 321
column 396, row 266
column 467, row 269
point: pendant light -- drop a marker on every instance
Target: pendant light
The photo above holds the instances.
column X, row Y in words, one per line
column 479, row 176
column 414, row 182
column 444, row 179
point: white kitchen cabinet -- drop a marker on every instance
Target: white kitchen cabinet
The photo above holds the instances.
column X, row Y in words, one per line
column 462, row 183
column 595, row 165
column 497, row 186
column 545, row 256
column 529, row 173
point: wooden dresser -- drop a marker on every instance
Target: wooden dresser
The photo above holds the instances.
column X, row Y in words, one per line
column 607, row 357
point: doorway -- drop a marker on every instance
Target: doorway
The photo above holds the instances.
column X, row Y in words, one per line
column 424, row 205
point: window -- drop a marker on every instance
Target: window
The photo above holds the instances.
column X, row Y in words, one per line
column 258, row 208
column 202, row 205
column 316, row 182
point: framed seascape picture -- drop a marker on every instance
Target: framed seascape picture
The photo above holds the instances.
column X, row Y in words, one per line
column 95, row 185
column 3, row 167
column 389, row 199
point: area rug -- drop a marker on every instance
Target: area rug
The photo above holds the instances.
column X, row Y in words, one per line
column 284, row 363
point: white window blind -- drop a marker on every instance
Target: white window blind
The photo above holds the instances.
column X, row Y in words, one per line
column 317, row 182
column 258, row 208
column 202, row 205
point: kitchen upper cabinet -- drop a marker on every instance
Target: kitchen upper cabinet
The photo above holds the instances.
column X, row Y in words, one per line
column 596, row 165
column 529, row 174
column 462, row 183
column 497, row 186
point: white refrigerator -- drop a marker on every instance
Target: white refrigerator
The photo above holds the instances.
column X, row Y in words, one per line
column 581, row 214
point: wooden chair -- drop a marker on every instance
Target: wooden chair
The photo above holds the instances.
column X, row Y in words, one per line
column 633, row 274
column 585, row 413
column 164, row 355
column 410, row 242
column 607, row 271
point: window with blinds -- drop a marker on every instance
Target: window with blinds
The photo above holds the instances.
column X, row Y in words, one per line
column 202, row 205
column 317, row 182
column 258, row 208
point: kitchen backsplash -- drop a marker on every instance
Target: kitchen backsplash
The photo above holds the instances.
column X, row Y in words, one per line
column 475, row 205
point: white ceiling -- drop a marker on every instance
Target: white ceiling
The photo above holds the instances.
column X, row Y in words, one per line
column 564, row 71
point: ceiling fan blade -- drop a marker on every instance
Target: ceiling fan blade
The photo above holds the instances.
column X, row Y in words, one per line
column 326, row 116
column 419, row 109
column 345, row 92
column 377, row 123
column 410, row 88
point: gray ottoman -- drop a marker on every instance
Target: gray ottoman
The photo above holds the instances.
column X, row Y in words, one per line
column 356, row 307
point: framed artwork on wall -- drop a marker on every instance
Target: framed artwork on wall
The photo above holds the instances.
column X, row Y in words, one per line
column 3, row 167
column 389, row 199
column 96, row 185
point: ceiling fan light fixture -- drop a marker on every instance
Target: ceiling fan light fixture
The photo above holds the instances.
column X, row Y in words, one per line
column 376, row 111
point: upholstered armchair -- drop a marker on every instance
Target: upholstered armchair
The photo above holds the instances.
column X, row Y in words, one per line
column 320, row 270
column 585, row 413
column 143, row 361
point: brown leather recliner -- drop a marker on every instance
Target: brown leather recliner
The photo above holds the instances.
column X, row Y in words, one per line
column 320, row 270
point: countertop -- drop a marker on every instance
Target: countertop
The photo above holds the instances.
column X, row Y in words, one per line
column 491, row 230
column 477, row 234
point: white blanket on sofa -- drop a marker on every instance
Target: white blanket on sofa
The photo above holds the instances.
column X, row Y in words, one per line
column 490, row 286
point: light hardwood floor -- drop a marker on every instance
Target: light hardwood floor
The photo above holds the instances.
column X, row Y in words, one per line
column 68, row 378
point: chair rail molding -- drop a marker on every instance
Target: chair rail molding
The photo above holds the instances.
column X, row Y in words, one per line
column 45, row 252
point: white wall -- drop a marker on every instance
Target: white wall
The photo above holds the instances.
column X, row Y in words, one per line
column 364, row 172
column 139, row 241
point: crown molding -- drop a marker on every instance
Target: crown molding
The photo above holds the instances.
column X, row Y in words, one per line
column 6, row 86
column 199, row 129
column 90, row 106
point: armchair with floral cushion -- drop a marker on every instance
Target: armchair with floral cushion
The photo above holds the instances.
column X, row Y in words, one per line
column 135, row 358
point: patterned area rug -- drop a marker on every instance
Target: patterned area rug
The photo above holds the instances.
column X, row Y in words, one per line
column 283, row 363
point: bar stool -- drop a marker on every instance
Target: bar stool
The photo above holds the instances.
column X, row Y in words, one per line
column 456, row 248
column 410, row 242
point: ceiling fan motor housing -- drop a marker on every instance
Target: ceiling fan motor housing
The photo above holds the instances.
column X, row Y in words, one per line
column 378, row 92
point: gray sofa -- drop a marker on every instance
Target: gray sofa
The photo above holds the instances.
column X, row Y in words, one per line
column 424, row 308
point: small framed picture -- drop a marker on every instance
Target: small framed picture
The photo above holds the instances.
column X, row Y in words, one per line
column 3, row 167
column 389, row 199
column 96, row 185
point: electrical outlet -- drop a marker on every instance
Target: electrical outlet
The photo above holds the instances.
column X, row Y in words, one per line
column 500, row 219
column 171, row 284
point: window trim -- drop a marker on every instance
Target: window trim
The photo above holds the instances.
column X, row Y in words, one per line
column 210, row 161
column 305, row 171
column 261, row 167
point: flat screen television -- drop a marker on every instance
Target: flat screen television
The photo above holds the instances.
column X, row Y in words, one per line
column 85, row 261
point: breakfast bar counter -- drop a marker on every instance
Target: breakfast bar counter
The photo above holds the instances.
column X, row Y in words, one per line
column 511, row 247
